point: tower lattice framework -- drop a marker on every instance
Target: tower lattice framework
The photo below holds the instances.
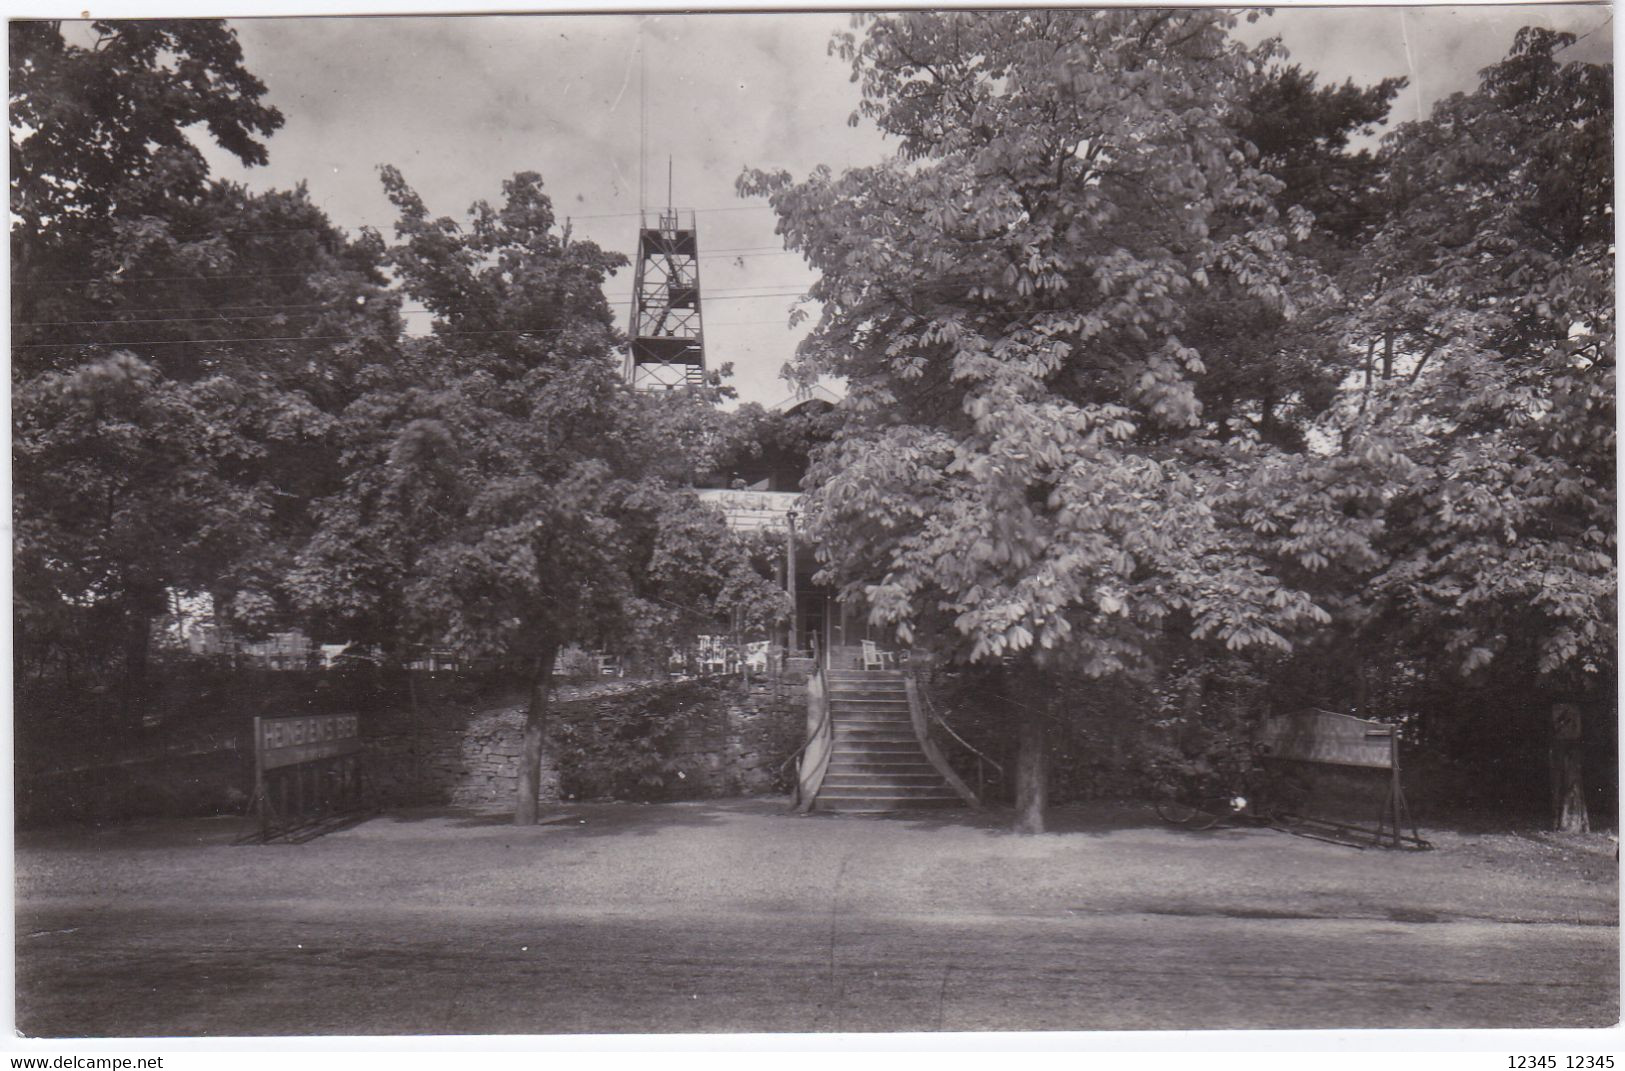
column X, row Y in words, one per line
column 668, row 338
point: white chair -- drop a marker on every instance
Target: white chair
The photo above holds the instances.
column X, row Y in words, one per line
column 874, row 657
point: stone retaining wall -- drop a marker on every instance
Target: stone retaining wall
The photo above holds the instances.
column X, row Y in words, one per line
column 445, row 748
column 735, row 741
column 742, row 751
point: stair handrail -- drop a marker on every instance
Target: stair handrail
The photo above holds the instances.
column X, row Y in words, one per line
column 931, row 709
column 810, row 775
column 811, row 735
column 931, row 712
column 922, row 734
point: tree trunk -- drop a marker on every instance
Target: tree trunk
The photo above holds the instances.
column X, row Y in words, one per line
column 1569, row 813
column 1362, row 684
column 1192, row 734
column 138, row 616
column 530, row 764
column 1032, row 773
column 1365, row 391
column 1571, row 816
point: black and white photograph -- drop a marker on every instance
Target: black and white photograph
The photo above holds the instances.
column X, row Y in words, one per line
column 1038, row 525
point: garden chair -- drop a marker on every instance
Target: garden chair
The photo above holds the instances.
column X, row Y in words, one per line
column 874, row 657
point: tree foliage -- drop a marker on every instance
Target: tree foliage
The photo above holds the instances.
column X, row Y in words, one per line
column 179, row 345
column 1266, row 372
column 1492, row 281
column 1104, row 359
column 1150, row 372
column 501, row 494
column 1007, row 300
column 100, row 132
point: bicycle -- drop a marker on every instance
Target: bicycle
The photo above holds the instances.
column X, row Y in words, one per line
column 1259, row 797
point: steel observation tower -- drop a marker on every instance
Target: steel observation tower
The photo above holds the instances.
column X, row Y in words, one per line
column 668, row 339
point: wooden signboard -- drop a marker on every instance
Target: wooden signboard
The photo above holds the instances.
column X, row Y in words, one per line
column 286, row 741
column 307, row 773
column 1322, row 736
column 1309, row 738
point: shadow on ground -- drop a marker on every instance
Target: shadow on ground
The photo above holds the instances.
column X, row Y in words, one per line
column 595, row 818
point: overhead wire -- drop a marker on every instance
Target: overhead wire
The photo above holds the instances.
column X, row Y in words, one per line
column 163, row 278
column 338, row 231
column 273, row 338
column 770, row 290
column 643, row 124
column 325, row 338
column 271, row 311
column 742, row 293
column 715, row 254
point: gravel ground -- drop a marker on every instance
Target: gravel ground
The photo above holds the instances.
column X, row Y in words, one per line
column 936, row 921
column 750, row 855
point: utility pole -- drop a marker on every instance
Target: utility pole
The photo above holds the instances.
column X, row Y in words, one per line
column 790, row 578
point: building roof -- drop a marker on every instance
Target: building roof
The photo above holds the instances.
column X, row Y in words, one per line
column 818, row 392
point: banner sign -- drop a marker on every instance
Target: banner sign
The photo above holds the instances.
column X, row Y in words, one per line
column 1322, row 736
column 289, row 741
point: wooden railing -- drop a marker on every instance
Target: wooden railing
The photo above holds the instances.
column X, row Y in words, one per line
column 920, row 714
column 813, row 755
column 919, row 696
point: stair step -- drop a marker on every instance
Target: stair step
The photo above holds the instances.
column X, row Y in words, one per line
column 871, row 759
column 842, row 781
column 860, row 761
column 860, row 745
column 877, row 732
column 860, row 800
column 886, row 769
column 906, row 795
column 883, row 806
column 877, row 805
column 876, row 765
column 910, row 790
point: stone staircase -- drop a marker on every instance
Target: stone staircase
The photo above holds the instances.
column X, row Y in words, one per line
column 876, row 764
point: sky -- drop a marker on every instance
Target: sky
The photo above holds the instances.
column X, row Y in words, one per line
column 599, row 103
